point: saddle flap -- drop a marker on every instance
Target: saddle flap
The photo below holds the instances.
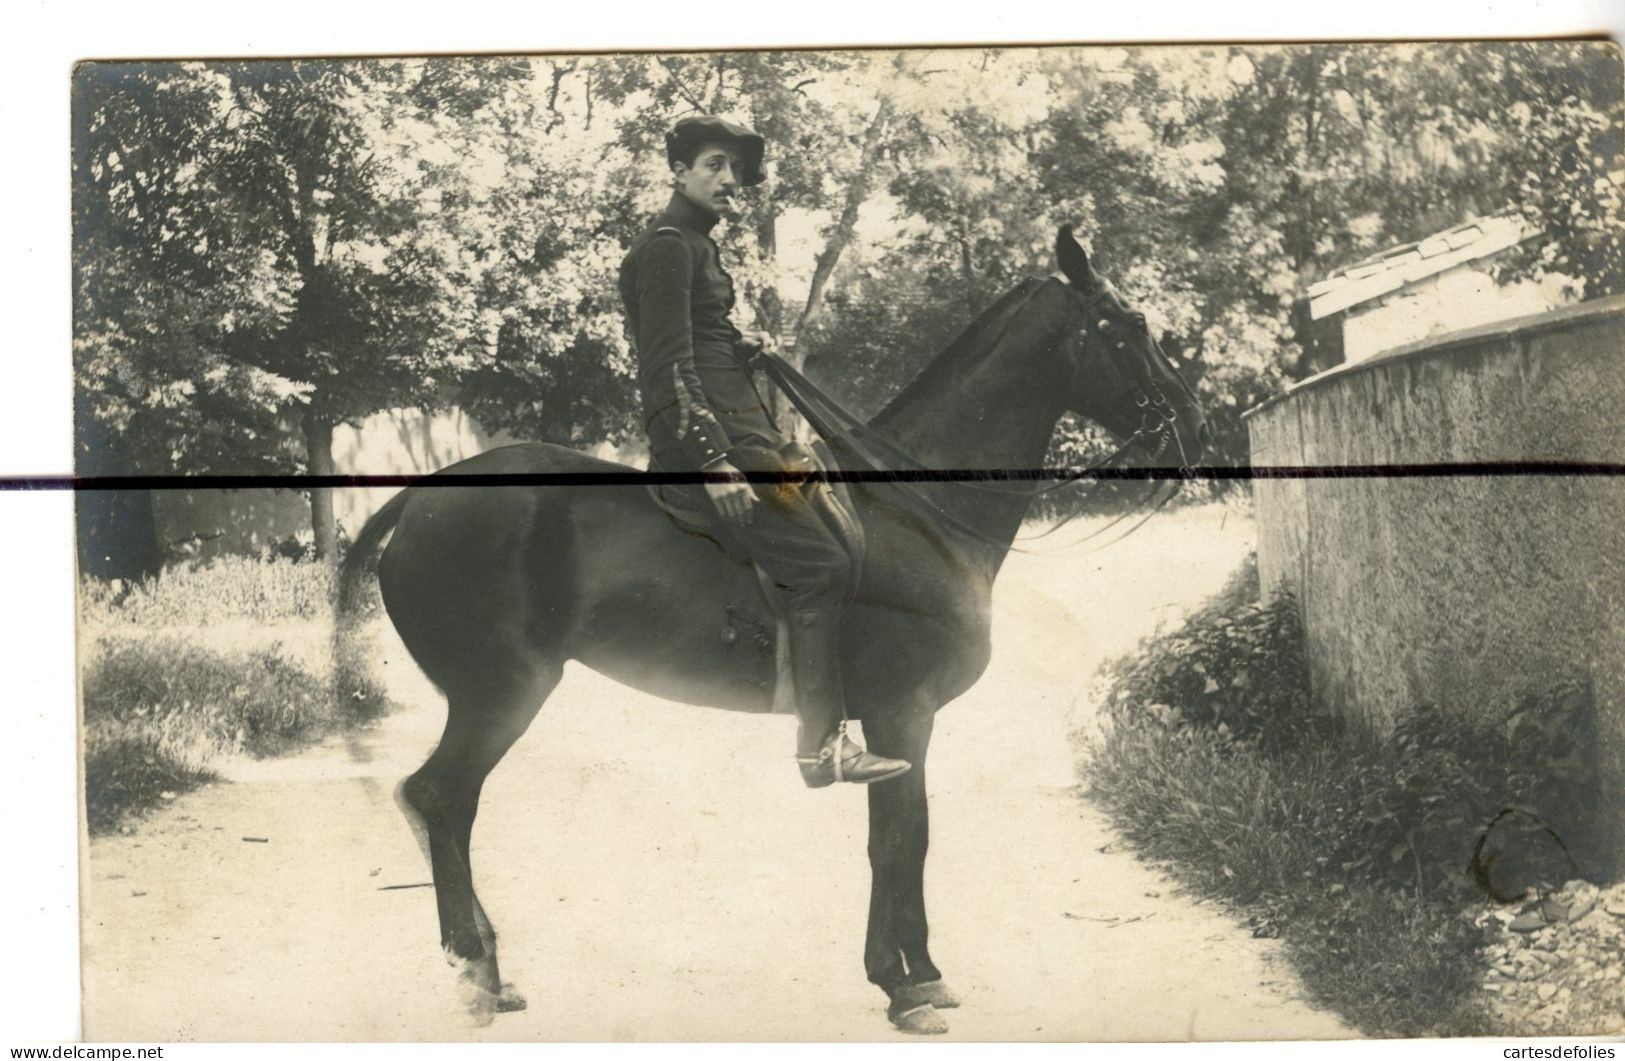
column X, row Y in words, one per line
column 832, row 500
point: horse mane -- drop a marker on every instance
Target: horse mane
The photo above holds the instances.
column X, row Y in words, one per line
column 965, row 348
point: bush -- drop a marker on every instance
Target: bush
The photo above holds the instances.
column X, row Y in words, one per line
column 1235, row 667
column 1363, row 853
column 159, row 710
column 251, row 663
column 130, row 766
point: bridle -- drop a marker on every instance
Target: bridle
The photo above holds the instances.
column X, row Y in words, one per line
column 1158, row 419
column 836, row 424
column 1157, row 416
column 1158, row 425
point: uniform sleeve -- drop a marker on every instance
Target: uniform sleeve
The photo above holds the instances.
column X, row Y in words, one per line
column 666, row 342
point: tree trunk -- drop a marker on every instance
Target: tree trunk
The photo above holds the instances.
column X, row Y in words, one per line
column 319, row 461
column 841, row 235
column 770, row 315
column 1311, row 354
column 770, row 306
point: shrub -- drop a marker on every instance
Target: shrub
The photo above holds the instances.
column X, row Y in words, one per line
column 1232, row 822
column 1415, row 810
column 229, row 656
column 158, row 710
column 1364, row 853
column 130, row 766
column 1235, row 667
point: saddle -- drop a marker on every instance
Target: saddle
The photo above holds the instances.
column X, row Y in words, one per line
column 692, row 511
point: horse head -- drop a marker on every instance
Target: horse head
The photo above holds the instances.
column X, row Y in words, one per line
column 1120, row 378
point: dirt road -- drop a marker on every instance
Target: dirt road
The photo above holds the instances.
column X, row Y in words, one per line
column 730, row 907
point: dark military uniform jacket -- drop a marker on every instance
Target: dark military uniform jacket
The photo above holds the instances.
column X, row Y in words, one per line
column 699, row 399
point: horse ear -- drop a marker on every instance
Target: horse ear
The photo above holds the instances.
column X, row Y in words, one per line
column 1074, row 261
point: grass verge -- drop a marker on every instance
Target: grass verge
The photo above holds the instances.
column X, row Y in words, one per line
column 1364, row 855
column 224, row 590
column 159, row 710
column 235, row 657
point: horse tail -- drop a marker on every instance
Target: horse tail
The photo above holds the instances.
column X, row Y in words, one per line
column 353, row 684
column 361, row 559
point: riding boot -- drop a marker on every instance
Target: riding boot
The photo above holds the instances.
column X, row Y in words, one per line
column 823, row 750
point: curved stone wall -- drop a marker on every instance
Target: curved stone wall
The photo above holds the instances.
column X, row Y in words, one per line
column 1469, row 592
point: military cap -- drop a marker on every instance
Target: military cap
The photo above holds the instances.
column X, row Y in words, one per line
column 689, row 133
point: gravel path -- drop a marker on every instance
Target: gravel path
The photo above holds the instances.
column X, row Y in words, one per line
column 282, row 905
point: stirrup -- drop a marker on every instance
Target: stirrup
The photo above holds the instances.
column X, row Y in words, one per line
column 826, row 753
column 867, row 767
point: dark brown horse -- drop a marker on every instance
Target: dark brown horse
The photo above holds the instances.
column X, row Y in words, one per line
column 493, row 588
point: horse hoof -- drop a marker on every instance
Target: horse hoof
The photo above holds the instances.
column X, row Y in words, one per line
column 509, row 1000
column 480, row 991
column 917, row 1019
column 935, row 993
column 481, row 1005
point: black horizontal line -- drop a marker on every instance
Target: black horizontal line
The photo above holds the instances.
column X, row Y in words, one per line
column 1491, row 469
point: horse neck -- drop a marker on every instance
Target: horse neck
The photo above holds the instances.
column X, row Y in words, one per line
column 995, row 411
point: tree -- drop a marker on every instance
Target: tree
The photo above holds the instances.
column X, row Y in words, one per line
column 259, row 244
column 1216, row 184
column 554, row 363
column 155, row 272
column 976, row 212
column 1560, row 108
column 562, row 368
column 356, row 223
column 269, row 240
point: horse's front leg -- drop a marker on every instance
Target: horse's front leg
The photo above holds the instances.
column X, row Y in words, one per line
column 895, row 954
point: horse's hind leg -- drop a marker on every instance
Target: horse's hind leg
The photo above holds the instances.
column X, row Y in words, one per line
column 442, row 798
column 509, row 999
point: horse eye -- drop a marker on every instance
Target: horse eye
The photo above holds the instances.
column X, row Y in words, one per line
column 1139, row 320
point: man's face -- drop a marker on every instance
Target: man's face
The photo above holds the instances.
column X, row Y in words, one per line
column 712, row 180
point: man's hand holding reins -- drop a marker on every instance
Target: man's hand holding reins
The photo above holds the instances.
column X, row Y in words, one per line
column 758, row 343
column 733, row 498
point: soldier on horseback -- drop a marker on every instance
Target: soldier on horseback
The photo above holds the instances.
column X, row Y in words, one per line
column 703, row 413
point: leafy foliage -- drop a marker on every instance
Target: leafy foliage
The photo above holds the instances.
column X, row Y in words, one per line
column 1235, row 667
column 1217, row 184
column 1361, row 852
column 264, row 249
column 221, row 590
column 261, row 246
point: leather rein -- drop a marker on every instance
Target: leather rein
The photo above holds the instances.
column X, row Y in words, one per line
column 878, row 453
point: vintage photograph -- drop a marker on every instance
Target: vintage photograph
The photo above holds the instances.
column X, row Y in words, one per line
column 539, row 517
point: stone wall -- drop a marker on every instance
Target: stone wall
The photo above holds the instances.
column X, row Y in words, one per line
column 1468, row 592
